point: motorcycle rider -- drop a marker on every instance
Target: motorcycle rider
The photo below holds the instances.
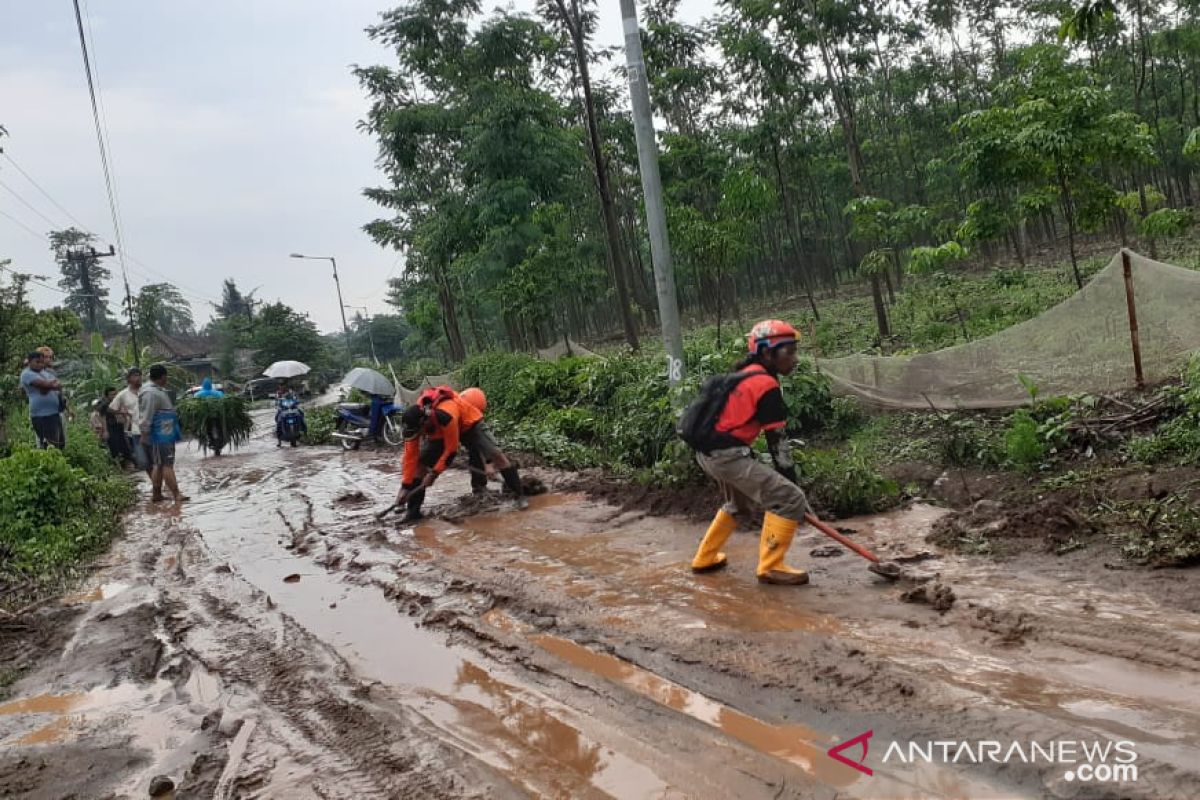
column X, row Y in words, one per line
column 442, row 418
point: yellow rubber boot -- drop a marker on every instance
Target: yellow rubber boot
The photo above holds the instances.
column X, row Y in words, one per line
column 776, row 538
column 709, row 556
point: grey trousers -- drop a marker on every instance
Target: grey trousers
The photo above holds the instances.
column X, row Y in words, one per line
column 738, row 468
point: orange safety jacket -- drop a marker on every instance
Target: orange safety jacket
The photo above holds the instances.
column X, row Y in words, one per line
column 450, row 419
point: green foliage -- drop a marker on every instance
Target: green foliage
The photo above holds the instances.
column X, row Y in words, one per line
column 845, row 483
column 57, row 508
column 618, row 412
column 281, row 334
column 1023, row 445
column 1179, row 437
column 161, row 308
column 321, row 423
column 965, row 442
column 928, row 260
column 197, row 416
column 1167, row 223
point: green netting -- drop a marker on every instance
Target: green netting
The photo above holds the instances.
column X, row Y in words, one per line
column 1081, row 345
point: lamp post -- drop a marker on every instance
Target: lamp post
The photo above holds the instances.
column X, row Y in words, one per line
column 370, row 335
column 338, row 284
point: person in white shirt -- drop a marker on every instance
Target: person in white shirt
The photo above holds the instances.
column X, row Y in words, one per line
column 125, row 405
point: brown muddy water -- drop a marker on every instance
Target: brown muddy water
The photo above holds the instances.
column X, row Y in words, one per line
column 272, row 639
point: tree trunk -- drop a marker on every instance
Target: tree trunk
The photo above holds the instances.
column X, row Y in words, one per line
column 458, row 350
column 572, row 21
column 881, row 316
column 1069, row 213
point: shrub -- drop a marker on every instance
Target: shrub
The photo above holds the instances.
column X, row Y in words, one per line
column 844, row 483
column 1023, row 445
column 321, row 422
column 52, row 514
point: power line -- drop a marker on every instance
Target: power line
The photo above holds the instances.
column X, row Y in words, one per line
column 41, row 236
column 45, row 194
column 146, row 272
column 108, row 182
column 27, row 204
column 103, row 116
column 31, row 280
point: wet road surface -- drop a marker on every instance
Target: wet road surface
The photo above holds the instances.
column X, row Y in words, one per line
column 272, row 639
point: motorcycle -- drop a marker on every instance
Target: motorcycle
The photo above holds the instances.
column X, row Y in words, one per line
column 289, row 421
column 376, row 420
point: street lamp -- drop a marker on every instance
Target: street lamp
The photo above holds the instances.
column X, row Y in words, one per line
column 338, row 283
column 370, row 335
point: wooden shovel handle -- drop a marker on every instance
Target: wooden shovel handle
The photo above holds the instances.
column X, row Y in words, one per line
column 811, row 519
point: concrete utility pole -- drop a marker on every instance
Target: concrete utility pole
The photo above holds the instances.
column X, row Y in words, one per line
column 656, row 217
column 80, row 259
column 341, row 304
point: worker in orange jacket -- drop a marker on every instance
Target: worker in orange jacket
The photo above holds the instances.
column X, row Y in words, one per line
column 434, row 426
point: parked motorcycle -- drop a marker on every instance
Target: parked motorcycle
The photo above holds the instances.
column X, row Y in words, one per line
column 377, row 420
column 289, row 421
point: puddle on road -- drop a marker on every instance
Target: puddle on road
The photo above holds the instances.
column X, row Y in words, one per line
column 71, row 706
column 537, row 742
column 599, row 570
column 795, row 744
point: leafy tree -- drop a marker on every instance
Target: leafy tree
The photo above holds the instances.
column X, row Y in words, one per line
column 281, row 333
column 233, row 303
column 160, row 307
column 83, row 275
column 578, row 19
column 22, row 328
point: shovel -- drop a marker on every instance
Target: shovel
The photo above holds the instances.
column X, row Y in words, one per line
column 394, row 506
column 885, row 569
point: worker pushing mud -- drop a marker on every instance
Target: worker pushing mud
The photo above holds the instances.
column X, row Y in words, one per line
column 434, row 426
column 722, row 425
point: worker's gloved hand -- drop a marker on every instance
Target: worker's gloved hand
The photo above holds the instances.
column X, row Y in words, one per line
column 428, row 480
column 406, row 490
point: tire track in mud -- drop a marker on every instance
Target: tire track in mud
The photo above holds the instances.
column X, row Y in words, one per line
column 307, row 703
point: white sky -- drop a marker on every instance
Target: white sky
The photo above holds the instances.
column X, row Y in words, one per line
column 234, row 142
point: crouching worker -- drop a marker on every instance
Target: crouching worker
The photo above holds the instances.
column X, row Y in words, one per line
column 722, row 424
column 433, row 428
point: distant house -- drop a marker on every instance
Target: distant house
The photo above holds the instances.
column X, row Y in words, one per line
column 199, row 356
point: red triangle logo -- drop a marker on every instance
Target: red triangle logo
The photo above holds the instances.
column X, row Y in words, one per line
column 835, row 752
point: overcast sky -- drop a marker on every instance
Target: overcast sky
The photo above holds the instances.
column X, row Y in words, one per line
column 234, row 142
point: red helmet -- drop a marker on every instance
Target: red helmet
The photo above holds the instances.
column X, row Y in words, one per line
column 475, row 397
column 771, row 333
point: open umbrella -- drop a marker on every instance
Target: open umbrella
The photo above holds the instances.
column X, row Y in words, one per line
column 286, row 369
column 368, row 380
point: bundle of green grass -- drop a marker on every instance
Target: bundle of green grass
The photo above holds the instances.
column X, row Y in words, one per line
column 216, row 422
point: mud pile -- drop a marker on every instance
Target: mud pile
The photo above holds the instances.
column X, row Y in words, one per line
column 999, row 528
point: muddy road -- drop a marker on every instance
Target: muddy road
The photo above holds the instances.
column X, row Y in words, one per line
column 271, row 639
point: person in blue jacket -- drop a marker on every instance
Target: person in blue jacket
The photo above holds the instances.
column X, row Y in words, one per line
column 207, row 390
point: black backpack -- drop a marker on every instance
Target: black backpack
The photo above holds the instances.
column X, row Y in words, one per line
column 698, row 424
